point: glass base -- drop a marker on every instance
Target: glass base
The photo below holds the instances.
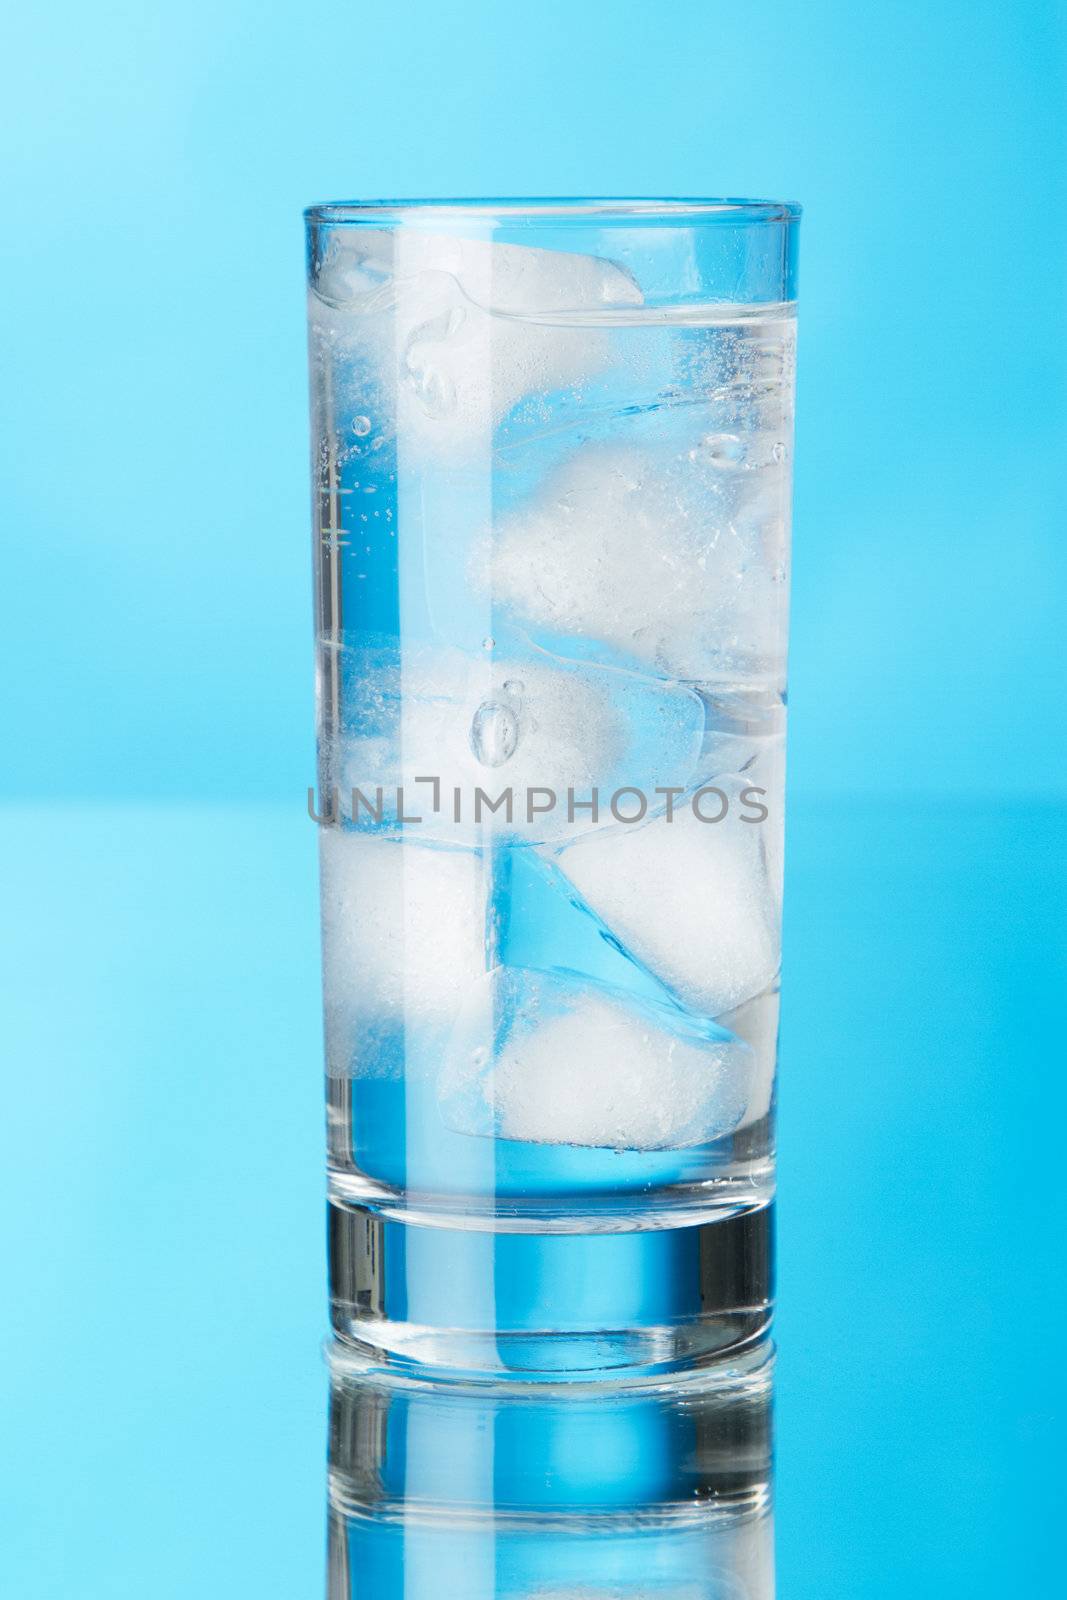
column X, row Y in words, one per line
column 552, row 1305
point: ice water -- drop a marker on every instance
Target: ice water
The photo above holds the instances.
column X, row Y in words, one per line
column 552, row 485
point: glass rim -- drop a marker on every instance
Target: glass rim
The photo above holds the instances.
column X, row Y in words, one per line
column 725, row 211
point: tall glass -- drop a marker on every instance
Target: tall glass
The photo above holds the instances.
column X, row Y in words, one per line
column 551, row 456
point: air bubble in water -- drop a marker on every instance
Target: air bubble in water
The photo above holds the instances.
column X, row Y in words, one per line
column 724, row 451
column 436, row 392
column 361, row 427
column 778, row 453
column 494, row 733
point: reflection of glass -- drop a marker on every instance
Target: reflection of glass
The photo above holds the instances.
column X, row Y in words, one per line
column 552, row 457
column 523, row 1491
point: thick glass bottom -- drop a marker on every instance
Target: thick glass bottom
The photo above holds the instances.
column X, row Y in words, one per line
column 550, row 1305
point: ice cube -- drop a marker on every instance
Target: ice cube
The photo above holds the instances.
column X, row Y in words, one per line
column 552, row 1059
column 664, row 556
column 690, row 899
column 452, row 332
column 406, row 931
column 756, row 1022
column 552, row 730
column 764, row 777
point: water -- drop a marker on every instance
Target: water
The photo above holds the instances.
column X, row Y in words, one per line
column 552, row 550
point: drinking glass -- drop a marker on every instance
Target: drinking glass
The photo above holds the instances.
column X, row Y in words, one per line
column 551, row 465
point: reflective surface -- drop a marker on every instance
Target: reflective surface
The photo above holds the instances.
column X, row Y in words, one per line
column 514, row 1491
column 164, row 1396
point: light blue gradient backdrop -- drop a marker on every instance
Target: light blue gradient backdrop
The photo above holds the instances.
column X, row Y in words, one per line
column 162, row 1106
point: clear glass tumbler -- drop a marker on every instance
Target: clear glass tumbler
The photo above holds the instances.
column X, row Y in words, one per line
column 551, row 457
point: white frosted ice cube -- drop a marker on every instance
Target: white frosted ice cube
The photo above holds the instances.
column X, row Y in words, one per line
column 491, row 725
column 756, row 1023
column 689, row 899
column 663, row 556
column 448, row 328
column 406, row 931
column 552, row 1060
column 766, row 772
column 531, row 725
column 602, row 1076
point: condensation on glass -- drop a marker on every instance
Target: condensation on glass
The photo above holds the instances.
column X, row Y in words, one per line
column 551, row 453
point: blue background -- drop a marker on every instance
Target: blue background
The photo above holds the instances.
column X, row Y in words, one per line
column 161, row 1178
